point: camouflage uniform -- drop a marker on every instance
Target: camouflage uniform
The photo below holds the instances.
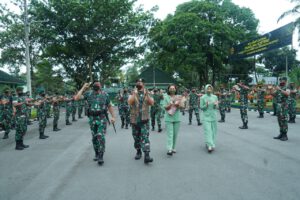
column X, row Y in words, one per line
column 244, row 107
column 74, row 108
column 261, row 102
column 156, row 111
column 124, row 110
column 81, row 103
column 222, row 104
column 228, row 101
column 98, row 105
column 292, row 103
column 48, row 109
column 42, row 113
column 21, row 120
column 68, row 104
column 56, row 113
column 274, row 104
column 194, row 106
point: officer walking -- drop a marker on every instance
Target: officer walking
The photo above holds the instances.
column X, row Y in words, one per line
column 155, row 110
column 124, row 108
column 194, row 106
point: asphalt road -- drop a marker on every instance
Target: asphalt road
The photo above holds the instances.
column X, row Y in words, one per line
column 246, row 165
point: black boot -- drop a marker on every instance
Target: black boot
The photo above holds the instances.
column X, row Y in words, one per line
column 284, row 137
column 122, row 126
column 23, row 145
column 96, row 156
column 245, row 126
column 260, row 115
column 138, row 154
column 126, row 126
column 18, row 145
column 147, row 158
column 74, row 120
column 159, row 128
column 152, row 128
column 100, row 158
column 5, row 136
column 222, row 120
column 279, row 136
column 199, row 123
column 43, row 136
column 190, row 123
column 55, row 128
column 68, row 122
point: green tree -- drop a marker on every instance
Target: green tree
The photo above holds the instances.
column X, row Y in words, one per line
column 295, row 11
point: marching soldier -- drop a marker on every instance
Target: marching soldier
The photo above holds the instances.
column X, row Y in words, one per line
column 41, row 104
column 194, row 106
column 222, row 103
column 260, row 99
column 155, row 110
column 292, row 103
column 99, row 103
column 281, row 94
column 243, row 103
column 124, row 108
column 20, row 109
column 6, row 112
column 140, row 101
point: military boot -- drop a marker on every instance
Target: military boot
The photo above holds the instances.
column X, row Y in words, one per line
column 43, row 136
column 68, row 122
column 23, row 145
column 159, row 128
column 147, row 158
column 5, row 136
column 126, row 126
column 222, row 120
column 279, row 136
column 18, row 145
column 199, row 123
column 55, row 128
column 245, row 126
column 73, row 119
column 122, row 126
column 96, row 156
column 284, row 137
column 138, row 154
column 152, row 128
column 100, row 158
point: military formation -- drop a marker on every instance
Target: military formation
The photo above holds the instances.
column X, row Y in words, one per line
column 139, row 108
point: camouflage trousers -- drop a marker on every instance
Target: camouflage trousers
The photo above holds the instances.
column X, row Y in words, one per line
column 98, row 127
column 282, row 115
column 73, row 112
column 80, row 110
column 244, row 115
column 42, row 121
column 155, row 115
column 260, row 107
column 292, row 109
column 6, row 122
column 125, row 116
column 140, row 133
column 21, row 127
column 222, row 109
column 68, row 112
column 196, row 109
column 56, row 113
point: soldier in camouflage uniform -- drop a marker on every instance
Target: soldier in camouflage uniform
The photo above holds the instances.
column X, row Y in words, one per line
column 41, row 104
column 140, row 101
column 292, row 103
column 28, row 108
column 6, row 112
column 243, row 103
column 20, row 107
column 274, row 104
column 260, row 100
column 124, row 108
column 81, row 103
column 228, row 101
column 74, row 108
column 194, row 106
column 56, row 111
column 222, row 103
column 68, row 105
column 281, row 94
column 99, row 103
column 155, row 110
column 48, row 107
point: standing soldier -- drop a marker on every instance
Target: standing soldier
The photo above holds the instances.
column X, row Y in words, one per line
column 140, row 101
column 194, row 106
column 99, row 103
column 124, row 108
column 228, row 101
column 56, row 111
column 74, row 108
column 41, row 104
column 222, row 103
column 281, row 94
column 243, row 103
column 260, row 99
column 48, row 107
column 21, row 120
column 6, row 112
column 292, row 103
column 68, row 104
column 28, row 99
column 80, row 107
column 274, row 104
column 155, row 110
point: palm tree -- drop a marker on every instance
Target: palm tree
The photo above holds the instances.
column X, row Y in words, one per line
column 294, row 11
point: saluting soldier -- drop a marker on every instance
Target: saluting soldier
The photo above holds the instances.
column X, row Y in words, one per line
column 20, row 109
column 281, row 94
column 140, row 100
column 292, row 102
column 99, row 103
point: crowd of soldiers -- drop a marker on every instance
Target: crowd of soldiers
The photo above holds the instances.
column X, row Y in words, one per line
column 134, row 106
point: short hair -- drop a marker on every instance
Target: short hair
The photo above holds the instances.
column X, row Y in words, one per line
column 169, row 88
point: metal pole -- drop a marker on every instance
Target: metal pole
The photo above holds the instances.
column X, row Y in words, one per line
column 286, row 67
column 28, row 75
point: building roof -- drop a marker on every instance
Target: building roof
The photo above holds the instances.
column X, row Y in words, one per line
column 5, row 78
